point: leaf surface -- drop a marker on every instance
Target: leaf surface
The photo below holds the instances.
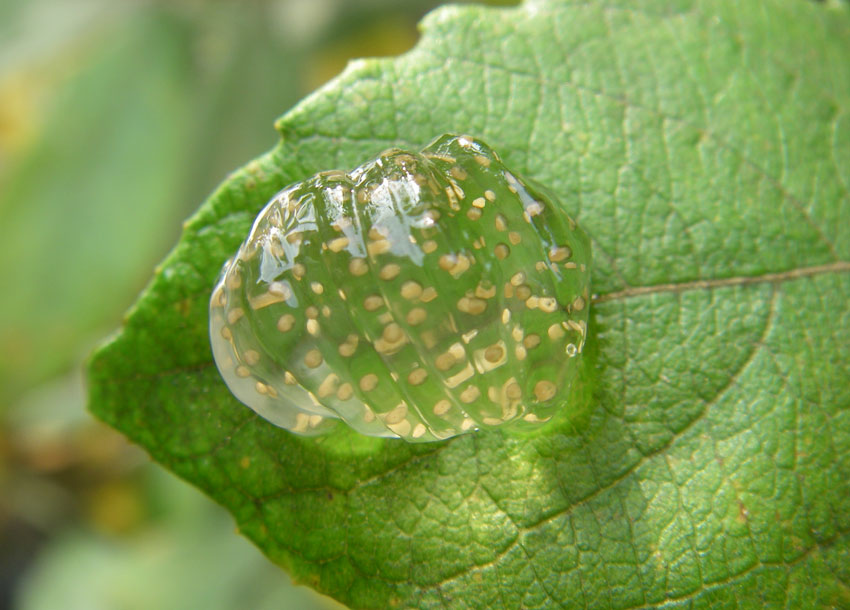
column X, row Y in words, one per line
column 705, row 147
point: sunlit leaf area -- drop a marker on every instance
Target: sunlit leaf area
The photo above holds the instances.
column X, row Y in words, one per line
column 117, row 119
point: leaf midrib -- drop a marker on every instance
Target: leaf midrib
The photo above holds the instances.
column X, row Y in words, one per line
column 728, row 282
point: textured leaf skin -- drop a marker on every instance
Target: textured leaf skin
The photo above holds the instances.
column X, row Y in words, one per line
column 705, row 148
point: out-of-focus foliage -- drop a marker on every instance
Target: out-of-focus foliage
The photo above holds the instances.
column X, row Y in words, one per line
column 183, row 561
column 128, row 526
column 109, row 140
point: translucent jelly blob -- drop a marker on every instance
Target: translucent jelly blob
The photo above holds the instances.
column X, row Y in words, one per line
column 420, row 296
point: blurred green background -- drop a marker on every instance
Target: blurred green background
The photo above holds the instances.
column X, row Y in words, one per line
column 116, row 119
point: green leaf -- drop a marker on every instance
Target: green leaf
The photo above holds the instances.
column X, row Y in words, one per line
column 705, row 147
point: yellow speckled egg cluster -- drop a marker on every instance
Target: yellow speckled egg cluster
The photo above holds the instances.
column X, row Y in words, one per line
column 421, row 296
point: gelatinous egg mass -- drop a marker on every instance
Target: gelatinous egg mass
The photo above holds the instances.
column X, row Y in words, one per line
column 421, row 296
